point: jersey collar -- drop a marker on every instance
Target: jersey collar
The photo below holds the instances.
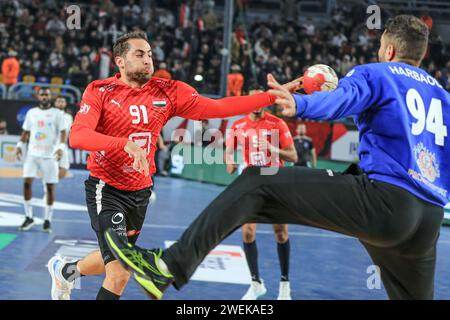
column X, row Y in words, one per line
column 119, row 82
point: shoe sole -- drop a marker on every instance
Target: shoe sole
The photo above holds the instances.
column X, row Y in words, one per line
column 257, row 297
column 52, row 275
column 261, row 295
column 27, row 227
column 47, row 230
column 149, row 287
column 144, row 281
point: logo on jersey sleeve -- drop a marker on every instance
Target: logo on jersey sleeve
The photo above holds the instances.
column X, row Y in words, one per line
column 159, row 103
column 84, row 108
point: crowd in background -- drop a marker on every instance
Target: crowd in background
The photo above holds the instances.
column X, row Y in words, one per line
column 186, row 38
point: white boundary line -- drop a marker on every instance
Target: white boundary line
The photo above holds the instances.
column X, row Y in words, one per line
column 291, row 233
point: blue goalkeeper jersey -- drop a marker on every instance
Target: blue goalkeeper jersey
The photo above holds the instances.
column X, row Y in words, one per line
column 402, row 114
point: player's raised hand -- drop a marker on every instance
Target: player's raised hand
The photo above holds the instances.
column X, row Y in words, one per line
column 284, row 97
column 18, row 153
column 264, row 145
column 231, row 168
column 139, row 155
column 58, row 154
column 294, row 85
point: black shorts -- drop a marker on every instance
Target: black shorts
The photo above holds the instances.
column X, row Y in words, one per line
column 398, row 229
column 123, row 211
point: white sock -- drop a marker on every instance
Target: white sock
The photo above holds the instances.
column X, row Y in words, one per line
column 48, row 212
column 44, row 199
column 28, row 209
column 162, row 266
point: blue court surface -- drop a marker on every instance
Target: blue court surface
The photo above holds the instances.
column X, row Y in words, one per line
column 324, row 265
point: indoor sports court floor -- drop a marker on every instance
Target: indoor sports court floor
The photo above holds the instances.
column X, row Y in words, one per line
column 324, row 265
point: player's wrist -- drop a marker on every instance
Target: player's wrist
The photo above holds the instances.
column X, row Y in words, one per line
column 62, row 146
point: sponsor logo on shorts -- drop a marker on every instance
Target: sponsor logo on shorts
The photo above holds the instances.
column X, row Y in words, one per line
column 117, row 218
column 120, row 230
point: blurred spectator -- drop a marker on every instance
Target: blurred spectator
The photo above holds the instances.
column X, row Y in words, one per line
column 339, row 39
column 309, row 27
column 10, row 68
column 210, row 20
column 288, row 9
column 104, row 62
column 162, row 72
column 427, row 19
column 55, row 26
column 439, row 76
column 178, row 71
column 3, row 127
column 235, row 81
column 158, row 52
column 81, row 75
column 304, row 146
column 187, row 36
column 132, row 9
column 108, row 8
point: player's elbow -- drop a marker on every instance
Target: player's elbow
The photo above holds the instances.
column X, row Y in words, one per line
column 75, row 138
column 292, row 157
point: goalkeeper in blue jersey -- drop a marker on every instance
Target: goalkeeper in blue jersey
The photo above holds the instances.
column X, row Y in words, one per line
column 392, row 201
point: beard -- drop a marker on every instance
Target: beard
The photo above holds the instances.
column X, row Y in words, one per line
column 45, row 104
column 139, row 77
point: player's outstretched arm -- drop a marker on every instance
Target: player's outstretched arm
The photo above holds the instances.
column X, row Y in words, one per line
column 193, row 106
column 353, row 95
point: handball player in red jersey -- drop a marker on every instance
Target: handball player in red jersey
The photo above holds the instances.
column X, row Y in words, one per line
column 119, row 121
column 267, row 142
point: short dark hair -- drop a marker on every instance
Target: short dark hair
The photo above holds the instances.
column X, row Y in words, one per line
column 60, row 97
column 410, row 36
column 121, row 46
column 45, row 89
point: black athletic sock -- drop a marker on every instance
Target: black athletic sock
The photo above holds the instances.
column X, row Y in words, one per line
column 70, row 271
column 251, row 254
column 104, row 294
column 283, row 256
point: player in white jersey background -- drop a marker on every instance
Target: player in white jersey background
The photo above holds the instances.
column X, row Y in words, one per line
column 42, row 128
column 64, row 163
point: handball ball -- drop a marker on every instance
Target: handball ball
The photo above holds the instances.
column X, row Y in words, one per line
column 319, row 77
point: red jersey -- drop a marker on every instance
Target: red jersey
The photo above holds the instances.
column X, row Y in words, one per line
column 247, row 132
column 112, row 113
